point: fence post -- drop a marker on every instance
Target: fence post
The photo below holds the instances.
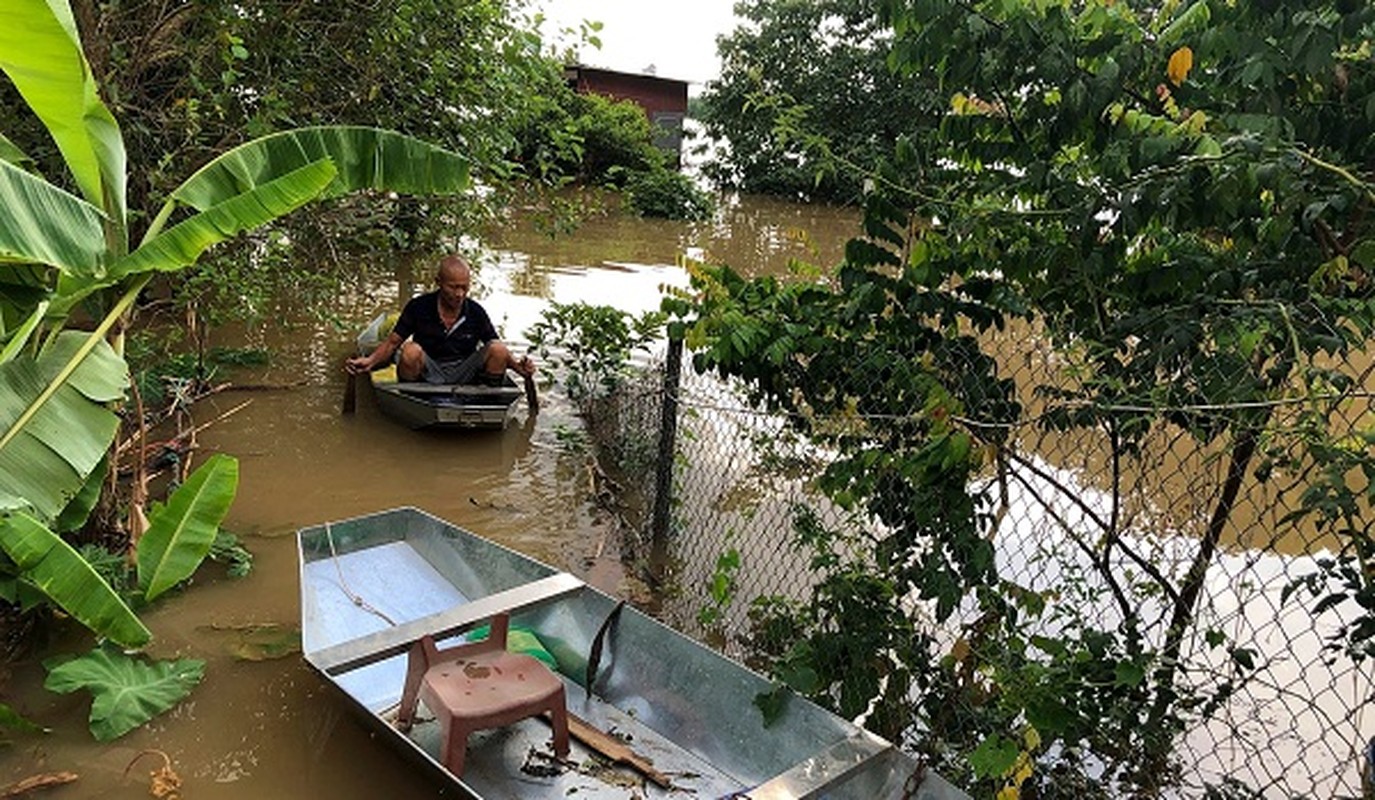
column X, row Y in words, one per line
column 668, row 446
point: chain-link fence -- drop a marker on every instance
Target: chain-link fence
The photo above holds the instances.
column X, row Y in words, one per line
column 1277, row 709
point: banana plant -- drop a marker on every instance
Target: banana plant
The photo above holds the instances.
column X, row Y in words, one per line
column 59, row 250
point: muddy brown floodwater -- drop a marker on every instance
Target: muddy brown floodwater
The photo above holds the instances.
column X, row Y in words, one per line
column 269, row 728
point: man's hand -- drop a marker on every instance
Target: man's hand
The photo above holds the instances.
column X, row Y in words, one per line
column 358, row 365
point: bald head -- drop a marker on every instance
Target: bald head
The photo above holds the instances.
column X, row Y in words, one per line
column 452, row 266
column 455, row 280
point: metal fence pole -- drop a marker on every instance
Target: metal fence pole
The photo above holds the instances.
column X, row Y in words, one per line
column 668, row 446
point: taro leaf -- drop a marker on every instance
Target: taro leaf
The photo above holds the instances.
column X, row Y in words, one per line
column 180, row 533
column 50, row 564
column 9, row 718
column 127, row 692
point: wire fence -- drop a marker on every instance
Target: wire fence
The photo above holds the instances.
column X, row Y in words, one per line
column 1292, row 723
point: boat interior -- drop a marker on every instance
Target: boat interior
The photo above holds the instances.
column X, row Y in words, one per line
column 372, row 586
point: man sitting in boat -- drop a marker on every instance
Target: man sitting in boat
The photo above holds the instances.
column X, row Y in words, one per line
column 445, row 337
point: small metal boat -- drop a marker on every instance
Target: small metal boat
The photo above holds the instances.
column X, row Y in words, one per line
column 371, row 586
column 426, row 405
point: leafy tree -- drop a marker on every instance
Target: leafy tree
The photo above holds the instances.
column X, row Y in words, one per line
column 822, row 61
column 1179, row 197
column 62, row 256
column 192, row 80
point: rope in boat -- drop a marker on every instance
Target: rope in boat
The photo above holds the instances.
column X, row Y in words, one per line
column 358, row 600
column 348, row 590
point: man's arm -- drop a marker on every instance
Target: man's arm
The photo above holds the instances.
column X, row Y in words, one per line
column 380, row 355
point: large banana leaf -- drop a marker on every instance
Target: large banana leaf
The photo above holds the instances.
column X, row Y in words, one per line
column 367, row 158
column 46, row 225
column 74, row 516
column 17, row 339
column 10, row 152
column 126, row 692
column 41, row 52
column 180, row 533
column 180, row 245
column 68, row 580
column 22, row 291
column 54, row 426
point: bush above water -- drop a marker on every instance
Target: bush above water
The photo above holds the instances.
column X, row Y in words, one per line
column 661, row 192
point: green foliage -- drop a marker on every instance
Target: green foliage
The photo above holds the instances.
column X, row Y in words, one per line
column 180, row 533
column 829, row 57
column 591, row 139
column 63, row 253
column 228, row 550
column 1192, row 233
column 589, row 346
column 721, row 589
column 46, row 562
column 155, row 372
column 586, row 138
column 668, row 194
column 11, row 719
column 126, row 692
column 614, row 133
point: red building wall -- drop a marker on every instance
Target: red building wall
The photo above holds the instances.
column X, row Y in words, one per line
column 653, row 94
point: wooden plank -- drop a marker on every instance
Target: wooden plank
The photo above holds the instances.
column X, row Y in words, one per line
column 384, row 644
column 614, row 749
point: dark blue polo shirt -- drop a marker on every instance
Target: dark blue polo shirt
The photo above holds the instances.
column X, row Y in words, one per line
column 420, row 320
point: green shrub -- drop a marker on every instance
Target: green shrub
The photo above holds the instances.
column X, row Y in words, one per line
column 662, row 192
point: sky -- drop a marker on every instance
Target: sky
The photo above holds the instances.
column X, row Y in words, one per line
column 678, row 38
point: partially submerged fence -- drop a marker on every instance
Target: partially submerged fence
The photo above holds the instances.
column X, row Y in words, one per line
column 1289, row 720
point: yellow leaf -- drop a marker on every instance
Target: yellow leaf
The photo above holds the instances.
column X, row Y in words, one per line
column 1181, row 61
column 1022, row 770
column 1009, row 793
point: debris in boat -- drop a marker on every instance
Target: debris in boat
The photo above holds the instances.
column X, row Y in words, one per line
column 163, row 783
column 34, row 782
column 552, row 767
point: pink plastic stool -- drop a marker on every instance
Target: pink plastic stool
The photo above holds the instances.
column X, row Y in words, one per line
column 478, row 685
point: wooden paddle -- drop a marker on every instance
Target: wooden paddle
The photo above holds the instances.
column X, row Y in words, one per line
column 350, row 392
column 531, row 397
column 614, row 749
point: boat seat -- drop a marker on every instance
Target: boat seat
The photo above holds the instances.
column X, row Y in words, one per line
column 479, row 685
